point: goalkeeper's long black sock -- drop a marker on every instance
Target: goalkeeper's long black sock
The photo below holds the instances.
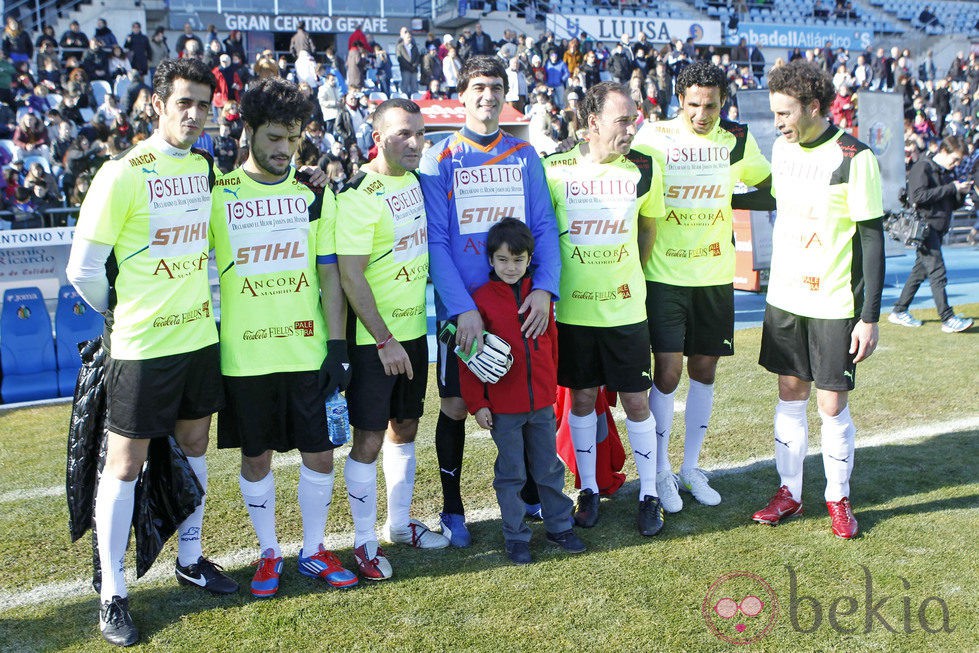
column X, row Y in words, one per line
column 450, row 440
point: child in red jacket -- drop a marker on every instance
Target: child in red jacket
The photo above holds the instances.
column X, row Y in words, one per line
column 519, row 408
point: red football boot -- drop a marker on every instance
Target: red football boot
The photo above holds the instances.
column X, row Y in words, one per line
column 781, row 506
column 841, row 514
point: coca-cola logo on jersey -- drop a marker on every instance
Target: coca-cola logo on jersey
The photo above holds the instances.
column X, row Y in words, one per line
column 168, row 187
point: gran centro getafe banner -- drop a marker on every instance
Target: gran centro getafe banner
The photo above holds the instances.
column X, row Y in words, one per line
column 611, row 28
column 316, row 23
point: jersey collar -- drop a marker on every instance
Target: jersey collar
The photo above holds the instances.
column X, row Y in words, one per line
column 158, row 142
column 825, row 137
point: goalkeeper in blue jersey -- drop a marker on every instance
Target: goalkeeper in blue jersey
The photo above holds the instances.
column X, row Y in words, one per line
column 471, row 181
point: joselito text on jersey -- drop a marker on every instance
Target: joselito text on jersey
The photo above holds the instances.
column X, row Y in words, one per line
column 266, row 207
column 489, row 175
column 404, row 199
column 601, row 187
column 697, row 154
column 166, row 187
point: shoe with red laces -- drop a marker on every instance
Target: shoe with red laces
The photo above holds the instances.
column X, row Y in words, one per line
column 326, row 565
column 781, row 506
column 265, row 582
column 371, row 562
column 841, row 514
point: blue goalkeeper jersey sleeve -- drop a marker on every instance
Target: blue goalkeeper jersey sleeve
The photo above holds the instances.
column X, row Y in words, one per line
column 469, row 187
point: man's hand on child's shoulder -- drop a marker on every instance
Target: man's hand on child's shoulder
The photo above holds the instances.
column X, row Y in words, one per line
column 484, row 418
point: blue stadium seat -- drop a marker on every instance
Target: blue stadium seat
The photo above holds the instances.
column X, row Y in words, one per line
column 27, row 354
column 74, row 322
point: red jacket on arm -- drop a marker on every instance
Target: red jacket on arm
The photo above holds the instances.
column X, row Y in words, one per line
column 531, row 383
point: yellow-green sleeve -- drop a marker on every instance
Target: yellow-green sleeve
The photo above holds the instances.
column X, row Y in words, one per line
column 755, row 166
column 107, row 205
column 326, row 226
column 654, row 205
column 355, row 229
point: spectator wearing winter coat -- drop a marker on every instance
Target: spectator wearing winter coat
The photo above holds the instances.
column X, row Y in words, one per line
column 138, row 47
column 557, row 76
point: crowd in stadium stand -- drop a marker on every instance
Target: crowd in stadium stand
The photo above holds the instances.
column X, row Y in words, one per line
column 69, row 102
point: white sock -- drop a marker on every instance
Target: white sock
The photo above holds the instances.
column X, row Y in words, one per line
column 315, row 496
column 700, row 403
column 399, row 479
column 189, row 532
column 642, row 438
column 838, row 443
column 361, row 479
column 114, row 503
column 661, row 406
column 259, row 499
column 584, row 430
column 791, row 444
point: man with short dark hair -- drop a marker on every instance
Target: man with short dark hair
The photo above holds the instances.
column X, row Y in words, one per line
column 607, row 198
column 472, row 180
column 827, row 275
column 409, row 60
column 301, row 40
column 935, row 194
column 382, row 248
column 138, row 46
column 481, row 42
column 148, row 208
column 104, row 34
column 73, row 41
column 187, row 37
column 690, row 274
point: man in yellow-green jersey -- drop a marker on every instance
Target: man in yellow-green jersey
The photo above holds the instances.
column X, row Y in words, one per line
column 825, row 285
column 382, row 250
column 282, row 317
column 145, row 221
column 606, row 197
column 690, row 274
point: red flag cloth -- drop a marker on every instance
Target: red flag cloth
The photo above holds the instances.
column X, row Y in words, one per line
column 610, row 456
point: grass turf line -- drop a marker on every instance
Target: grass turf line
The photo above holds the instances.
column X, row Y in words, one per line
column 916, row 502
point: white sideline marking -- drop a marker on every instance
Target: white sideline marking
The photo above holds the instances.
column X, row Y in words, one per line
column 893, row 437
column 241, row 557
column 162, row 569
column 32, row 493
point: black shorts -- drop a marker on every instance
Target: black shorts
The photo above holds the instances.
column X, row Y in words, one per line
column 373, row 397
column 447, row 366
column 282, row 412
column 145, row 398
column 694, row 320
column 616, row 357
column 808, row 348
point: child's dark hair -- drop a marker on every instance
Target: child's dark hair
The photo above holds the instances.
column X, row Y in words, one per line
column 510, row 232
